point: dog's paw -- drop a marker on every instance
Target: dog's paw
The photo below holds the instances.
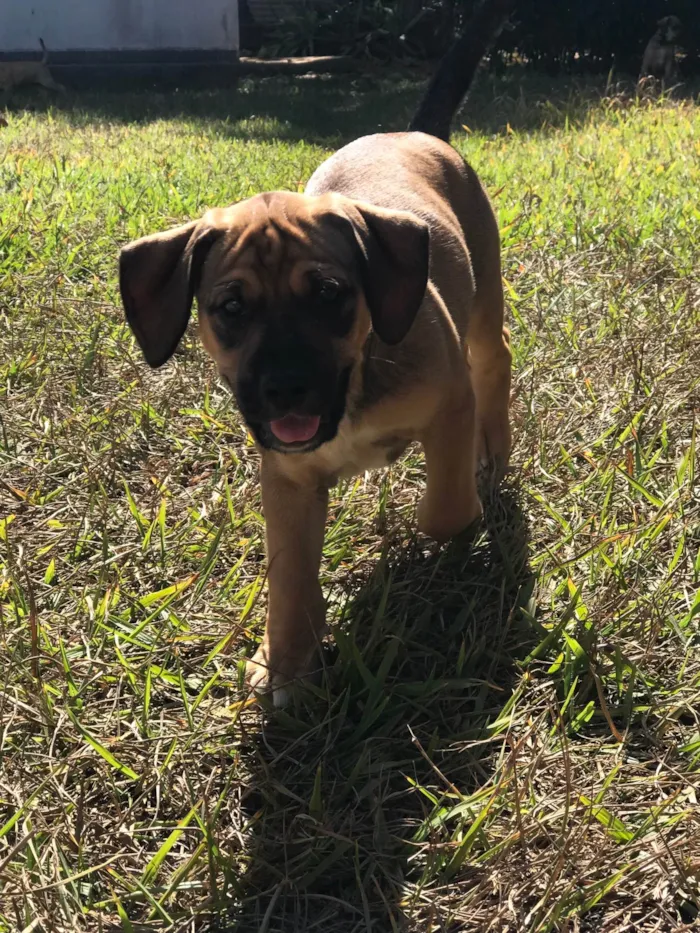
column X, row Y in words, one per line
column 276, row 676
column 443, row 524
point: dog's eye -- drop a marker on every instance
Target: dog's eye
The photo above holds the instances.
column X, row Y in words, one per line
column 233, row 306
column 230, row 317
column 329, row 290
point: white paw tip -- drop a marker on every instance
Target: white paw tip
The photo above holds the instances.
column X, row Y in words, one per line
column 280, row 697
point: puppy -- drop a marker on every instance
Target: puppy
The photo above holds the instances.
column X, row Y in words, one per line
column 12, row 74
column 348, row 321
column 659, row 59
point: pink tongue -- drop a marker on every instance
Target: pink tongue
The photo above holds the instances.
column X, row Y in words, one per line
column 293, row 429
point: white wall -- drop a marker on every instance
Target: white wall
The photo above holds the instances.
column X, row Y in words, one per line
column 118, row 24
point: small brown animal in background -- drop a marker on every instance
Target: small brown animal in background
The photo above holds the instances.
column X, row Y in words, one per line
column 660, row 54
column 348, row 321
column 13, row 74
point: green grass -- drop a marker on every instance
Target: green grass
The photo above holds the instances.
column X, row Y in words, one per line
column 507, row 734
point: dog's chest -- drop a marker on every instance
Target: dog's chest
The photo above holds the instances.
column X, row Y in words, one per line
column 355, row 451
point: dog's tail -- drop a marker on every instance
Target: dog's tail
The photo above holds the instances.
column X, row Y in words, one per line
column 455, row 73
column 45, row 51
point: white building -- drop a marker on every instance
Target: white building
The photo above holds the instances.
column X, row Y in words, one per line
column 96, row 32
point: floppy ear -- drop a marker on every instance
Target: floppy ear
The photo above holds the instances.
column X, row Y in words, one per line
column 158, row 276
column 395, row 250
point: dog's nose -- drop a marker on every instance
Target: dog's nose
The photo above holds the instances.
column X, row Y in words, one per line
column 284, row 390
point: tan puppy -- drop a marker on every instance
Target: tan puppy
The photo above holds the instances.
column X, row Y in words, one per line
column 13, row 74
column 348, row 321
column 660, row 54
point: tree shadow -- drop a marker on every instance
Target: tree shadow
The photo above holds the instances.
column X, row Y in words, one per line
column 325, row 110
column 331, row 110
column 341, row 787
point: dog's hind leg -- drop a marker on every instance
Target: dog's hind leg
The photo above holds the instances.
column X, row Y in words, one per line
column 486, row 339
column 489, row 357
column 46, row 80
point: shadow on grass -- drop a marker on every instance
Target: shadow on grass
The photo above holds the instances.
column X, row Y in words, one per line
column 332, row 110
column 342, row 787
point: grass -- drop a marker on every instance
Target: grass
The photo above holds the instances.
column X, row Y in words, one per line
column 507, row 734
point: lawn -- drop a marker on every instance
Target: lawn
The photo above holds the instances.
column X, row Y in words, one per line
column 507, row 733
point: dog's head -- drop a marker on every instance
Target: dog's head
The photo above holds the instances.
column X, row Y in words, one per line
column 288, row 289
column 669, row 29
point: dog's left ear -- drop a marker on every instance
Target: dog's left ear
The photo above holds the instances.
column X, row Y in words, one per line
column 395, row 248
column 158, row 276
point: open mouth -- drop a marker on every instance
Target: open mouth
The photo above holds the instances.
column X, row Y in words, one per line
column 294, row 432
column 295, row 429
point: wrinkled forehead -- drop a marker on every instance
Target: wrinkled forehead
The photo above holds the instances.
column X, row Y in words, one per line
column 277, row 239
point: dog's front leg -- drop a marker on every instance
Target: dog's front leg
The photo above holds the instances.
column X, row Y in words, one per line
column 295, row 516
column 669, row 70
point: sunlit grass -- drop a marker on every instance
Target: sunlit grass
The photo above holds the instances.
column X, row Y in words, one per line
column 506, row 736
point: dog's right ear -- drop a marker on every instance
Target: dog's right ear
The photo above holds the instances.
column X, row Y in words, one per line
column 158, row 276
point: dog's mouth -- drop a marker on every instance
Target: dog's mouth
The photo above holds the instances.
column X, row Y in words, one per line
column 295, row 429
